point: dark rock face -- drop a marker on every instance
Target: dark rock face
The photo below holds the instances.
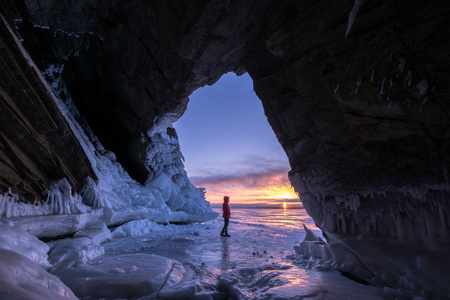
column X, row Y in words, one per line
column 37, row 144
column 364, row 119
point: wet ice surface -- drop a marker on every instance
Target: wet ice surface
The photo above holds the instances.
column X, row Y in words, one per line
column 254, row 263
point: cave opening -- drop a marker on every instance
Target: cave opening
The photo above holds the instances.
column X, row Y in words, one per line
column 229, row 146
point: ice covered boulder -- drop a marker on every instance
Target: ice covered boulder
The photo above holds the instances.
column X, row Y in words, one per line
column 22, row 279
column 18, row 240
column 73, row 251
column 124, row 276
column 83, row 247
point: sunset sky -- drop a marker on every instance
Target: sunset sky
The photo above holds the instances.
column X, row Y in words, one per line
column 229, row 147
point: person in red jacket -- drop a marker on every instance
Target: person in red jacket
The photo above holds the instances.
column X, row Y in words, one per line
column 226, row 216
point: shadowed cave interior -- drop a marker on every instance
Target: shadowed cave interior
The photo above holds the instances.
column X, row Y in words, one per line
column 355, row 91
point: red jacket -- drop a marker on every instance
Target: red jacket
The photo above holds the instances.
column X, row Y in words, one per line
column 226, row 209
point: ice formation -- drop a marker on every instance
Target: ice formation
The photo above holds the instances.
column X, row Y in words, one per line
column 22, row 261
column 16, row 239
column 387, row 226
column 167, row 175
column 168, row 195
column 10, row 206
column 24, row 280
column 60, row 199
column 351, row 18
column 125, row 276
column 115, row 198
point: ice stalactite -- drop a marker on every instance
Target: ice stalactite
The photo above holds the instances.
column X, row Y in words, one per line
column 10, row 206
column 389, row 221
column 61, row 201
column 399, row 216
column 352, row 16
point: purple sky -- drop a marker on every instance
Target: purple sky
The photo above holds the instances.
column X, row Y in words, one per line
column 226, row 140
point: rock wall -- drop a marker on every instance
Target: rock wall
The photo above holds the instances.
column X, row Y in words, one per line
column 355, row 91
column 37, row 144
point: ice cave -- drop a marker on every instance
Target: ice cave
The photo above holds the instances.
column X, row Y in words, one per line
column 355, row 92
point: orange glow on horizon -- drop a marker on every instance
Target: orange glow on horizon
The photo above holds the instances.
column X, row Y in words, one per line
column 249, row 190
column 284, row 205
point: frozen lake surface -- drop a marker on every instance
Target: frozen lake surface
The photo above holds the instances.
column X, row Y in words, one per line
column 256, row 262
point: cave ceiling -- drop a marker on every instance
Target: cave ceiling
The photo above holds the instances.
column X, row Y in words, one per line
column 359, row 101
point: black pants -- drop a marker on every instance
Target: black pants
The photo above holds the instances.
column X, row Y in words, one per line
column 225, row 227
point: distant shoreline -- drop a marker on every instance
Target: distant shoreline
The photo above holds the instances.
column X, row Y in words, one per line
column 290, row 205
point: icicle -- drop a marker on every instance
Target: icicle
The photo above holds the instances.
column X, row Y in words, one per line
column 382, row 88
column 408, row 79
column 423, row 87
column 401, row 65
column 358, row 84
column 351, row 18
column 336, row 89
column 60, row 200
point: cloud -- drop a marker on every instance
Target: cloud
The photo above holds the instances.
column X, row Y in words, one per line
column 247, row 166
column 247, row 187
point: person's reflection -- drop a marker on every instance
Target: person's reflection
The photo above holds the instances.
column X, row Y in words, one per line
column 224, row 263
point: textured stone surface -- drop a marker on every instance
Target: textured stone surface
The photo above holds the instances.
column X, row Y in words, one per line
column 364, row 119
column 37, row 144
